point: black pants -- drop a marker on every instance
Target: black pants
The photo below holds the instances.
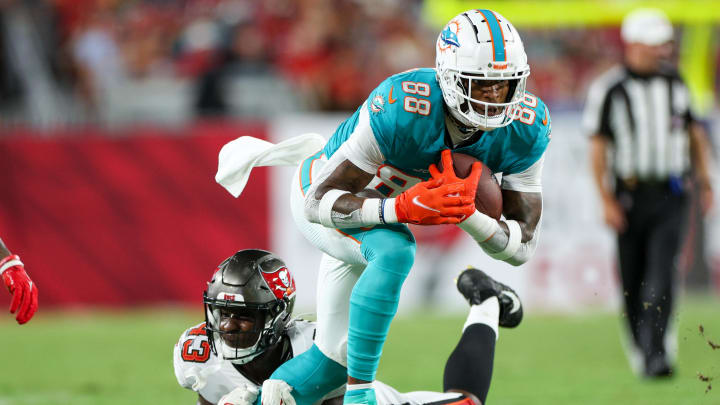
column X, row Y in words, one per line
column 648, row 251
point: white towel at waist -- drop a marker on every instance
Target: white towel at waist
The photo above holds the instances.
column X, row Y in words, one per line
column 238, row 157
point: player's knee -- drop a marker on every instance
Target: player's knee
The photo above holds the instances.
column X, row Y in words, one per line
column 397, row 256
column 390, row 248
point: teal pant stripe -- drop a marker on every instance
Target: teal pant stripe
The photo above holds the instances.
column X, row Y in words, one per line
column 364, row 396
column 305, row 180
column 390, row 252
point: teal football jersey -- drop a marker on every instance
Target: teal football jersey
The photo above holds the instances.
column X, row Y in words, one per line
column 407, row 117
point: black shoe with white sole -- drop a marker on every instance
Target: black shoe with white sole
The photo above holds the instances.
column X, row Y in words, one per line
column 476, row 287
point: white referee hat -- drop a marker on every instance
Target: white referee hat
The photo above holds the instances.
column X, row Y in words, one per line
column 647, row 26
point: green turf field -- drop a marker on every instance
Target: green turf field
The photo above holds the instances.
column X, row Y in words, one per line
column 126, row 358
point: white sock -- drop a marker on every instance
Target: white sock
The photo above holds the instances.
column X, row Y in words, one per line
column 488, row 313
column 352, row 387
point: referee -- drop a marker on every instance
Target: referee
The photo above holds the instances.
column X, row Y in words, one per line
column 639, row 116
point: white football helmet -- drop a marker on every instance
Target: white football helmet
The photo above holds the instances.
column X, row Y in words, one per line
column 480, row 45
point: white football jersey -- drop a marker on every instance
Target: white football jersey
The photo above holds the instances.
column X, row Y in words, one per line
column 200, row 370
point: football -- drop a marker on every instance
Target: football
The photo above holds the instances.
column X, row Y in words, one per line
column 488, row 198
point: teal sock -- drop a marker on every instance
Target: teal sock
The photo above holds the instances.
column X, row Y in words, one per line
column 312, row 375
column 364, row 396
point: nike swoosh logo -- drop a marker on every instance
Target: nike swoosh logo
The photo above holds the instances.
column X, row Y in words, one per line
column 545, row 120
column 390, row 97
column 515, row 301
column 417, row 202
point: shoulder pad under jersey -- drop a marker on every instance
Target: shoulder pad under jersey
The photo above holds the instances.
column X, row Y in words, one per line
column 530, row 134
column 404, row 108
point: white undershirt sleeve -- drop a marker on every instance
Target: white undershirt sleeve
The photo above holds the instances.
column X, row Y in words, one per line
column 361, row 148
column 527, row 181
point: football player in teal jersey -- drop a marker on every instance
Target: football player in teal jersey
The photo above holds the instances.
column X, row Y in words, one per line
column 474, row 102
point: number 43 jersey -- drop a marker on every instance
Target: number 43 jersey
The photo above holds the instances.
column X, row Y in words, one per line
column 406, row 117
column 200, row 370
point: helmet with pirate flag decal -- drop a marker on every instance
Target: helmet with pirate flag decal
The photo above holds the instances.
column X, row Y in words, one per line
column 248, row 304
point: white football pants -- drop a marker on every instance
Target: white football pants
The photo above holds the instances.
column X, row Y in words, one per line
column 341, row 265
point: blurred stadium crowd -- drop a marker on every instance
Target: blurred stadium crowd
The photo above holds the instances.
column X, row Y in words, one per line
column 119, row 61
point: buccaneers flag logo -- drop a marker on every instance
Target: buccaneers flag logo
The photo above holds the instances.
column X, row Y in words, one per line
column 281, row 282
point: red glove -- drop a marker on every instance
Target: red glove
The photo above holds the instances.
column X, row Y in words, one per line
column 448, row 173
column 434, row 202
column 24, row 291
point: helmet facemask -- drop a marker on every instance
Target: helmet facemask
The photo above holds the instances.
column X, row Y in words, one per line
column 248, row 305
column 476, row 46
column 225, row 320
column 458, row 88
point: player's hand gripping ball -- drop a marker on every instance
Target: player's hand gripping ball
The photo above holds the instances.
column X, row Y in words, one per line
column 488, row 196
column 434, row 202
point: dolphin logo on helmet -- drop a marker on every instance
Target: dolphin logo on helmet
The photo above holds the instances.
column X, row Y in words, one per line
column 449, row 37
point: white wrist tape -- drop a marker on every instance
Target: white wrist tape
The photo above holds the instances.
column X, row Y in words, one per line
column 513, row 244
column 370, row 211
column 389, row 211
column 376, row 211
column 10, row 263
column 326, row 206
column 479, row 226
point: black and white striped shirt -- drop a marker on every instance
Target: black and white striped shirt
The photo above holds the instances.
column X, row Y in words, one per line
column 646, row 118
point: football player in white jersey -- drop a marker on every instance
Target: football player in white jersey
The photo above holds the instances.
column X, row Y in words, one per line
column 249, row 332
column 24, row 291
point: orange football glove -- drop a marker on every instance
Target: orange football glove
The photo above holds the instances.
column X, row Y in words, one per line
column 448, row 173
column 434, row 202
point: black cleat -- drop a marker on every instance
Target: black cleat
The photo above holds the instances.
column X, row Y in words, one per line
column 657, row 367
column 476, row 287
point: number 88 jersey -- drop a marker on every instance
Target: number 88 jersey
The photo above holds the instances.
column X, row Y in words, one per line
column 407, row 118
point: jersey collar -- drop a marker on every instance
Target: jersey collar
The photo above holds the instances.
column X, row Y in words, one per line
column 457, row 136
